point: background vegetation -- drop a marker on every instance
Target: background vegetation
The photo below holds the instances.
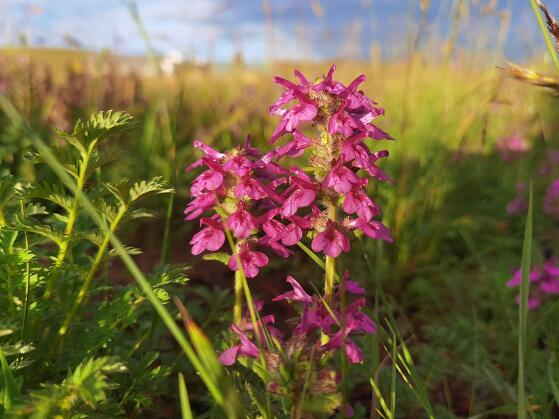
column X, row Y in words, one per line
column 441, row 285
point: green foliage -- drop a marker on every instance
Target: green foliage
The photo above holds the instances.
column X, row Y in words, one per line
column 46, row 238
column 98, row 127
column 83, row 390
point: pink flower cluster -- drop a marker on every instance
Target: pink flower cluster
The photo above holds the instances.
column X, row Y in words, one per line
column 544, row 280
column 265, row 205
column 241, row 185
column 342, row 117
column 315, row 322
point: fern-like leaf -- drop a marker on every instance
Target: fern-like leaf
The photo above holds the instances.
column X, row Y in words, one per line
column 145, row 189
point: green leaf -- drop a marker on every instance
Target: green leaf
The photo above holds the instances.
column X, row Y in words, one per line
column 88, row 380
column 99, row 126
column 145, row 189
column 54, row 193
column 9, row 387
column 222, row 257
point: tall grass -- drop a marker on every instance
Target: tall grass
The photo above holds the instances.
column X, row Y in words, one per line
column 523, row 308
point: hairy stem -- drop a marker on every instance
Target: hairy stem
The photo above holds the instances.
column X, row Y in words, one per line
column 27, row 281
column 72, row 217
column 91, row 273
column 330, row 266
column 238, row 308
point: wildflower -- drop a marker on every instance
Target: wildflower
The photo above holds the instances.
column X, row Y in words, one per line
column 343, row 120
column 210, row 238
column 358, row 202
column 201, row 203
column 245, row 348
column 544, row 280
column 331, row 241
column 300, row 198
column 341, row 178
column 373, row 229
column 241, row 222
column 298, row 294
column 510, row 148
column 251, row 261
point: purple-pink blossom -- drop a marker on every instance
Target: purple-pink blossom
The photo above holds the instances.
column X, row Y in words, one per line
column 330, row 241
column 251, row 261
column 210, row 238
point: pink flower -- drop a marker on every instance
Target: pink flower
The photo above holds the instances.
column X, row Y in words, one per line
column 245, row 348
column 210, row 180
column 342, row 122
column 519, row 204
column 331, row 241
column 241, row 222
column 294, row 148
column 300, row 198
column 239, row 165
column 251, row 188
column 298, row 294
column 373, row 229
column 251, row 261
column 341, row 179
column 512, row 147
column 303, row 111
column 198, row 205
column 210, row 238
column 358, row 202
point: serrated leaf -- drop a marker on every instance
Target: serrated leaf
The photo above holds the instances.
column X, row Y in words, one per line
column 139, row 213
column 54, row 193
column 145, row 189
column 129, row 249
column 41, row 230
column 222, row 257
column 33, row 209
column 17, row 257
column 99, row 126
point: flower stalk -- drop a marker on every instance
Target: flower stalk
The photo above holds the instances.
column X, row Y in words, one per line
column 72, row 217
column 92, row 271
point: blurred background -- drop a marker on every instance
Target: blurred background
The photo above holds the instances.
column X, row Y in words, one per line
column 468, row 140
column 257, row 32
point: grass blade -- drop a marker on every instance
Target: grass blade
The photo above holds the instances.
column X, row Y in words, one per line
column 523, row 307
column 186, row 412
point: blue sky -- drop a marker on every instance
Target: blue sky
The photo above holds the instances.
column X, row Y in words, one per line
column 218, row 29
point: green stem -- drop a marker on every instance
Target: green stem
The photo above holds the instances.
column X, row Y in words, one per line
column 10, row 291
column 237, row 309
column 27, row 282
column 9, row 282
column 330, row 266
column 343, row 354
column 72, row 217
column 167, row 232
column 91, row 273
column 241, row 277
